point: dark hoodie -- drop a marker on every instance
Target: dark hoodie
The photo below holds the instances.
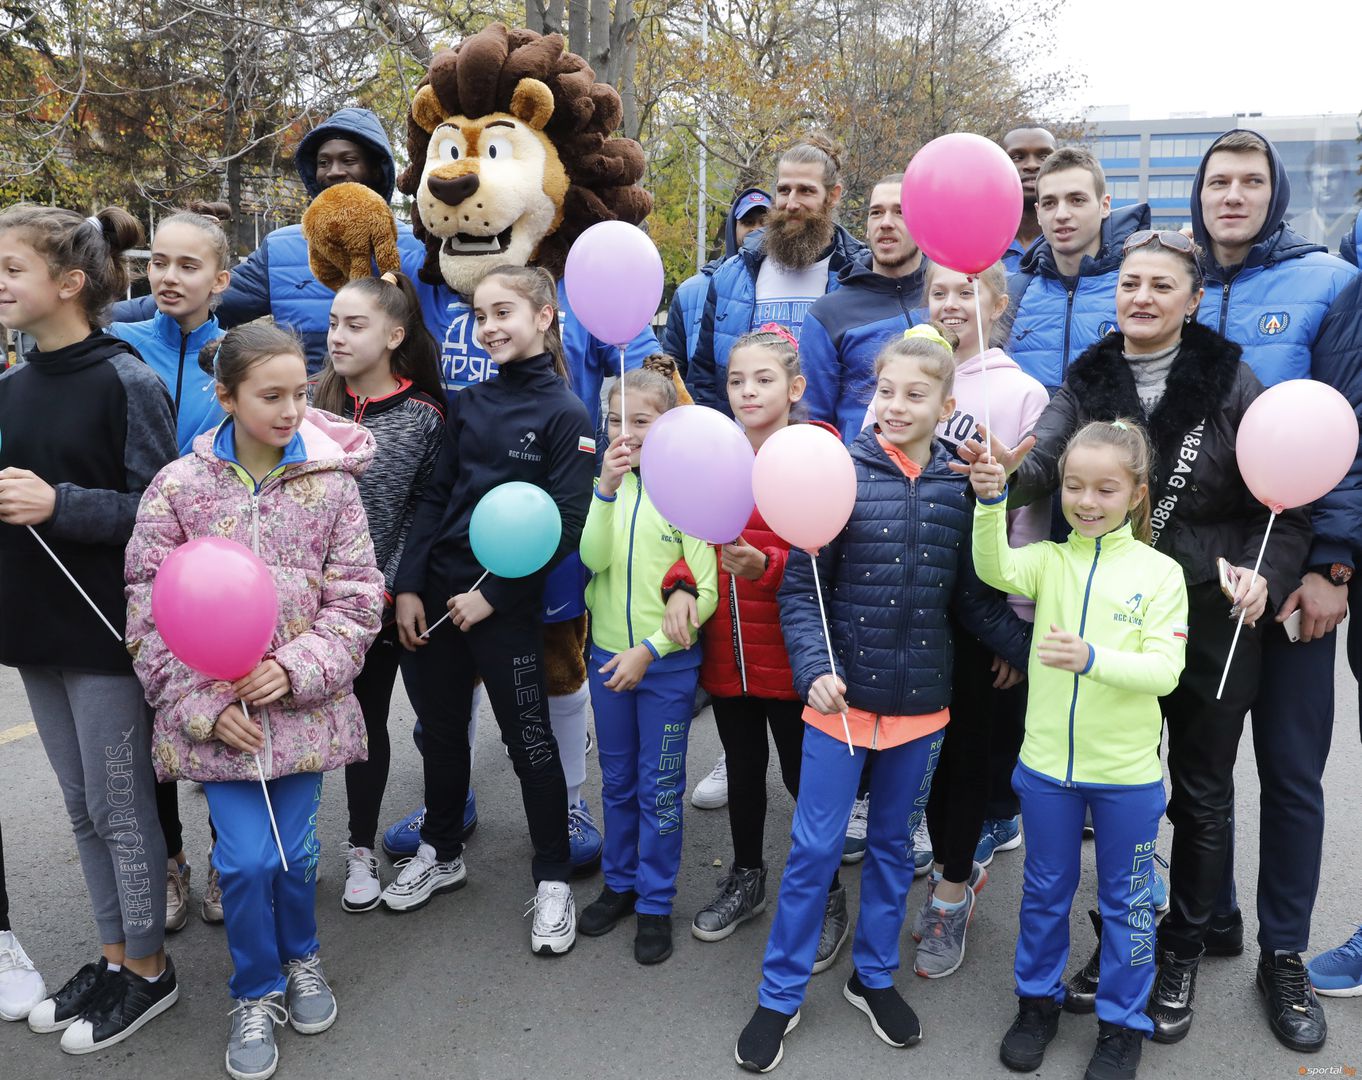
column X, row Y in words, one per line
column 1273, row 304
column 276, row 279
column 842, row 335
column 1054, row 318
column 688, row 301
column 97, row 424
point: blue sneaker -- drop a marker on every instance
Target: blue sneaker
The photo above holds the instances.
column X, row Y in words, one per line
column 922, row 849
column 402, row 839
column 585, row 840
column 999, row 834
column 1338, row 972
column 1158, row 888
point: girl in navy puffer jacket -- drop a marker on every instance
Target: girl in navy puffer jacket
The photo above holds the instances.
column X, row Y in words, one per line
column 892, row 580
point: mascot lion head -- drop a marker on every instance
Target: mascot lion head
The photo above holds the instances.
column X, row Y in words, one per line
column 511, row 156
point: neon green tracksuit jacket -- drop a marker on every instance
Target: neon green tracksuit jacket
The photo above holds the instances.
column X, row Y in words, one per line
column 629, row 547
column 1129, row 603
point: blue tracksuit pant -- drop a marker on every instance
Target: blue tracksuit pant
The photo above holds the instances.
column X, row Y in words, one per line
column 641, row 738
column 1126, row 823
column 900, row 784
column 270, row 914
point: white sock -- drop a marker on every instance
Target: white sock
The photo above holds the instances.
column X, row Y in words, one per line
column 567, row 716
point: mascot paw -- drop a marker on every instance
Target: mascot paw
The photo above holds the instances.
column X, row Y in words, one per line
column 349, row 228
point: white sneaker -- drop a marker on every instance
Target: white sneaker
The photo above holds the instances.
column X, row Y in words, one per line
column 712, row 792
column 422, row 876
column 21, row 987
column 363, row 890
column 555, row 919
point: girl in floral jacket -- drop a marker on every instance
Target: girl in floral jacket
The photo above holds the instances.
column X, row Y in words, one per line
column 280, row 478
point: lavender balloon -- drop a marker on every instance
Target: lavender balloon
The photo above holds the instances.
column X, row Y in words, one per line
column 697, row 470
column 614, row 281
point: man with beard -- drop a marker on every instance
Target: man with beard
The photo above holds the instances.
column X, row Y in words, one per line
column 807, row 250
column 844, row 330
column 1028, row 147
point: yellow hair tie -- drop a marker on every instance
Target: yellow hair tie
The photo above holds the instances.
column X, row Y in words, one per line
column 930, row 333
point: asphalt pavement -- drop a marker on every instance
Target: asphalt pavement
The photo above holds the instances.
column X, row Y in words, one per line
column 453, row 990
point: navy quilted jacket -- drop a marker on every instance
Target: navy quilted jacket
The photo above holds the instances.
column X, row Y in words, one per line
column 892, row 581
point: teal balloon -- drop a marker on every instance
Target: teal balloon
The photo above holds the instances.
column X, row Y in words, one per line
column 515, row 529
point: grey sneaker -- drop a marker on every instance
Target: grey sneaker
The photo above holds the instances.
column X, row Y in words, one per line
column 836, row 928
column 310, row 1002
column 942, row 949
column 177, row 895
column 978, row 878
column 742, row 896
column 211, row 909
column 251, row 1050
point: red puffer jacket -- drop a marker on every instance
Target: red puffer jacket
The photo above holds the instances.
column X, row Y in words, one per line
column 763, row 647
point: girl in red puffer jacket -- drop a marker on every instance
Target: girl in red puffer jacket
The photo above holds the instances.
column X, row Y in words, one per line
column 745, row 668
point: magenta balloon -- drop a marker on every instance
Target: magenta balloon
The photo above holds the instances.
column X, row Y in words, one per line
column 614, row 281
column 962, row 201
column 805, row 485
column 697, row 470
column 215, row 607
column 1295, row 443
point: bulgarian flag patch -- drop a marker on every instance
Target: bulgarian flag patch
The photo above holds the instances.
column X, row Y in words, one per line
column 586, row 445
column 1180, row 631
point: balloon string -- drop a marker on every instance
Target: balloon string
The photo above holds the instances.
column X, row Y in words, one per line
column 983, row 372
column 1240, row 625
column 269, row 806
column 447, row 614
column 624, row 414
column 737, row 626
column 83, row 594
column 818, row 591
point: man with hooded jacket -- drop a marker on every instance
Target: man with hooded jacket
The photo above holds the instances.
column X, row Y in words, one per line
column 1269, row 290
column 275, row 279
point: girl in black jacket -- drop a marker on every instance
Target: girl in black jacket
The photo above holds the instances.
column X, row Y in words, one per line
column 1189, row 388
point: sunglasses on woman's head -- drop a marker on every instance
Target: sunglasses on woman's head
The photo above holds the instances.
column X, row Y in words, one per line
column 1174, row 241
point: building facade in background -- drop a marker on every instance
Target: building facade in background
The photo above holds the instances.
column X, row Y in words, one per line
column 1155, row 161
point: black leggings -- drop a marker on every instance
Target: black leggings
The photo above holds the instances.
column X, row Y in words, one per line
column 4, row 896
column 365, row 781
column 742, row 724
column 506, row 649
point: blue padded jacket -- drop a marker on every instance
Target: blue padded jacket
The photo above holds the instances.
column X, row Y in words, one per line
column 892, row 581
column 174, row 355
column 844, row 332
column 1337, row 517
column 1054, row 318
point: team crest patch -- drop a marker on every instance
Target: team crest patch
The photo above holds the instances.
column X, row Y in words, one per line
column 1105, row 328
column 1274, row 322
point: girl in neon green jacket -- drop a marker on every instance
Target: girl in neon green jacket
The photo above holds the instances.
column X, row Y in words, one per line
column 642, row 683
column 1116, row 610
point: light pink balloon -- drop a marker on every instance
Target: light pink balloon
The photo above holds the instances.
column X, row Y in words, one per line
column 805, row 485
column 1295, row 443
column 613, row 278
column 962, row 201
column 215, row 606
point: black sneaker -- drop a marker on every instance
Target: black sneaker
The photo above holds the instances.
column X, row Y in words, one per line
column 762, row 1042
column 1170, row 1001
column 891, row 1018
column 653, row 942
column 1080, row 992
column 1293, row 1012
column 125, row 1002
column 1023, row 1047
column 1117, row 1056
column 600, row 916
column 1225, row 934
column 62, row 1009
column 742, row 896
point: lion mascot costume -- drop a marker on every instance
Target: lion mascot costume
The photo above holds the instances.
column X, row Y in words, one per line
column 509, row 139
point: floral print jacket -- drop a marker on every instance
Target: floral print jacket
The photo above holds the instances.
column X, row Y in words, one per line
column 306, row 522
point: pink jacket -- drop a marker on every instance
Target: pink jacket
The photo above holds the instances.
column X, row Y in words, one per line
column 1016, row 401
column 306, row 521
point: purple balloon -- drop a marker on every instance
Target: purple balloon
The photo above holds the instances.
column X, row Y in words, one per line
column 614, row 281
column 697, row 470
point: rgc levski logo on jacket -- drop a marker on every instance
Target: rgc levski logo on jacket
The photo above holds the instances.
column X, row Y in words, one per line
column 528, row 450
column 1274, row 322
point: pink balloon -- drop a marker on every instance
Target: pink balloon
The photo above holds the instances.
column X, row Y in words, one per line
column 805, row 485
column 697, row 470
column 1295, row 443
column 215, row 606
column 962, row 201
column 614, row 280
